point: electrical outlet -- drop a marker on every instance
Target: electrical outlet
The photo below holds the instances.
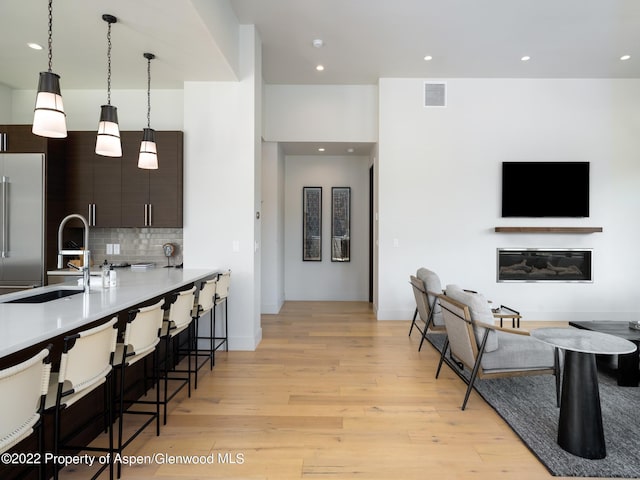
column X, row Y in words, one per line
column 116, row 249
column 109, row 248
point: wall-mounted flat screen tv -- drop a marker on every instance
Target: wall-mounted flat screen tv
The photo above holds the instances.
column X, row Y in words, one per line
column 545, row 189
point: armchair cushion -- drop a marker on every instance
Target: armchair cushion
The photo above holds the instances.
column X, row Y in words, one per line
column 518, row 352
column 480, row 312
column 433, row 286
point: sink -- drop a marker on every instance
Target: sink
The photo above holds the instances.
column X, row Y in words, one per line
column 46, row 296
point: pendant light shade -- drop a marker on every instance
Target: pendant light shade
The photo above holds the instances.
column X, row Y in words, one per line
column 108, row 139
column 49, row 119
column 148, row 153
column 148, row 158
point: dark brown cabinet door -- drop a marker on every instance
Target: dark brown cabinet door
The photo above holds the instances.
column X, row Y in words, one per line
column 135, row 182
column 19, row 139
column 165, row 184
column 152, row 198
column 93, row 183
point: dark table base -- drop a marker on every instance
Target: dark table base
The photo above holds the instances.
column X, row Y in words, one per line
column 628, row 372
column 580, row 426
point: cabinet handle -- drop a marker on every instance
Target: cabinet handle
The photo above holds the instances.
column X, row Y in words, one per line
column 3, row 142
column 92, row 215
column 5, row 223
column 150, row 215
column 146, row 215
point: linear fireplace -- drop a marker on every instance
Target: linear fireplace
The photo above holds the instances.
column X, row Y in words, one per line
column 537, row 265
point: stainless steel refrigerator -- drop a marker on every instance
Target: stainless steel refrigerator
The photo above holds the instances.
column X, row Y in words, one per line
column 21, row 221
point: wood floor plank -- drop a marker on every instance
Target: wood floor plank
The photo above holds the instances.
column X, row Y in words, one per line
column 332, row 393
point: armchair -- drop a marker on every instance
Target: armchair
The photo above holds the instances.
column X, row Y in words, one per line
column 487, row 350
column 426, row 288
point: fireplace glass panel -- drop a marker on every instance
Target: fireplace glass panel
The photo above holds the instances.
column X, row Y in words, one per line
column 536, row 265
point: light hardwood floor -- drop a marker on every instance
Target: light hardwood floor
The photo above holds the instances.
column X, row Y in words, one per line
column 332, row 393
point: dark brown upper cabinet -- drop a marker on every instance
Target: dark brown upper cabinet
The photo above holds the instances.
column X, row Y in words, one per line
column 19, row 139
column 153, row 198
column 93, row 182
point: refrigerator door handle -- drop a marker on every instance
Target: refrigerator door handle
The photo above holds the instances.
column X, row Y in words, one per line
column 5, row 212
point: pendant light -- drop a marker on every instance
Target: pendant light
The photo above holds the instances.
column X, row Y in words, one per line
column 108, row 140
column 48, row 116
column 148, row 158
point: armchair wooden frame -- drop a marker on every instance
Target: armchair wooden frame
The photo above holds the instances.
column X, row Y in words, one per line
column 467, row 351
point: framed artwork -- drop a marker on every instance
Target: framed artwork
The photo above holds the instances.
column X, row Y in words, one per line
column 341, row 224
column 312, row 224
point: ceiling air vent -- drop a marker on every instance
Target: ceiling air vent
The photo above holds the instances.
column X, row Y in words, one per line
column 435, row 94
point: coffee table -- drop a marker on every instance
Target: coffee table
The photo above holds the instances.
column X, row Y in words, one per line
column 628, row 372
column 580, row 429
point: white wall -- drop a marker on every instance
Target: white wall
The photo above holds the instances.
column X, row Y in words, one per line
column 327, row 113
column 439, row 188
column 5, row 104
column 83, row 108
column 327, row 280
column 272, row 218
column 222, row 142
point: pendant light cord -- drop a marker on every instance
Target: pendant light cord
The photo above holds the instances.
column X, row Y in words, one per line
column 149, row 92
column 109, row 64
column 50, row 44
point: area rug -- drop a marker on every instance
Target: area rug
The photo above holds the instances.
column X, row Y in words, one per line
column 528, row 406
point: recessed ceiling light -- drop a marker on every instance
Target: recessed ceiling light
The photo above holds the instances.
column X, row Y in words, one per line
column 318, row 43
column 321, row 149
column 526, row 58
column 350, row 150
column 428, row 58
column 35, row 46
column 625, row 57
column 320, row 68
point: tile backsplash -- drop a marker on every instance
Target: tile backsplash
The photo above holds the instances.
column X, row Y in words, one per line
column 136, row 245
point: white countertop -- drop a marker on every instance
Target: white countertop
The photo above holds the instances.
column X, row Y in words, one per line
column 23, row 325
column 585, row 341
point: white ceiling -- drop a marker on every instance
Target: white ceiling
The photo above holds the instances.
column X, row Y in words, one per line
column 364, row 40
column 369, row 39
column 171, row 29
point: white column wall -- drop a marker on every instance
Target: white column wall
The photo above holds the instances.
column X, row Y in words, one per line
column 439, row 189
column 222, row 148
column 272, row 217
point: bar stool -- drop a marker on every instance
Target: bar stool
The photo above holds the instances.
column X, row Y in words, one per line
column 141, row 336
column 221, row 299
column 23, row 389
column 204, row 304
column 177, row 320
column 85, row 365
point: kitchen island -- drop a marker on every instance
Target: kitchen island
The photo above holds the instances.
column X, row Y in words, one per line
column 25, row 325
column 25, row 328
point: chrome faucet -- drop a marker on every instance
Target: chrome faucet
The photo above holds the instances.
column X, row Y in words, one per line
column 86, row 255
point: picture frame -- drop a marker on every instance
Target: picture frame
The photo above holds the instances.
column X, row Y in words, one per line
column 312, row 224
column 341, row 224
